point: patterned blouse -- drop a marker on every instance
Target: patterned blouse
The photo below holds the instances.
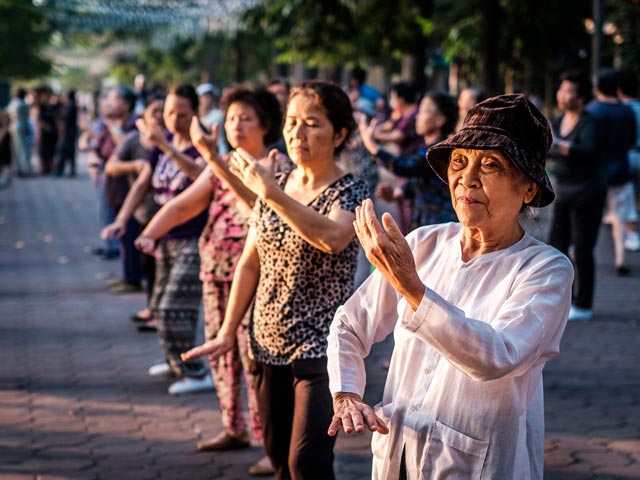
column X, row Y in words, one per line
column 223, row 237
column 300, row 287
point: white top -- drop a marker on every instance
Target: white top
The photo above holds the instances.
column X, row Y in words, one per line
column 464, row 389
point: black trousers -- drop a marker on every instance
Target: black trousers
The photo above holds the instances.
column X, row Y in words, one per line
column 576, row 221
column 296, row 408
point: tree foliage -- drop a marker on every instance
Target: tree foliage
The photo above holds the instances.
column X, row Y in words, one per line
column 24, row 32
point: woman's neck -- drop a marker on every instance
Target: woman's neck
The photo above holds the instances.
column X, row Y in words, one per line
column 318, row 177
column 181, row 140
column 475, row 242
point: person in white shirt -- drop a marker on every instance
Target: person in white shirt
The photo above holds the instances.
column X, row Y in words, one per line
column 476, row 310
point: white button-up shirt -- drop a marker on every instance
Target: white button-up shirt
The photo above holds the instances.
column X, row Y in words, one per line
column 463, row 395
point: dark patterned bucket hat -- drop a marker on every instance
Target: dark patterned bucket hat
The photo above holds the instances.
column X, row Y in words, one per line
column 511, row 124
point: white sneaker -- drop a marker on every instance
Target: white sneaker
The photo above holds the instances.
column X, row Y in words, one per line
column 576, row 314
column 191, row 385
column 632, row 242
column 160, row 370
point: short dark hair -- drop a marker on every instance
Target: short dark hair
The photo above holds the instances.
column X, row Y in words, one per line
column 582, row 82
column 279, row 81
column 21, row 93
column 127, row 96
column 629, row 83
column 335, row 103
column 448, row 108
column 154, row 97
column 405, row 90
column 358, row 74
column 263, row 102
column 186, row 91
column 608, row 82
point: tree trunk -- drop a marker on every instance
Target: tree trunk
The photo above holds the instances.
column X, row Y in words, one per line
column 490, row 47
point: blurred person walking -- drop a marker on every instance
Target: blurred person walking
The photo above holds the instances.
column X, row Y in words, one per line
column 616, row 131
column 68, row 135
column 48, row 113
column 174, row 163
column 581, row 189
column 21, row 132
column 5, row 149
column 628, row 94
column 299, row 262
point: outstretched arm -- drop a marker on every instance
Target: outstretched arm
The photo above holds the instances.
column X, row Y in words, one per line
column 330, row 234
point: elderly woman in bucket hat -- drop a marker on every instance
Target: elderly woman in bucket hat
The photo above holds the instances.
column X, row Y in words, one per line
column 476, row 309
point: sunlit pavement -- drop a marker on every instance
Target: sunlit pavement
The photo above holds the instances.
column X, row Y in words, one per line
column 76, row 401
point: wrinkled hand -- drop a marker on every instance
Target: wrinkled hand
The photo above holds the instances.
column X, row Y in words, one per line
column 215, row 348
column 145, row 244
column 352, row 414
column 151, row 132
column 257, row 175
column 207, row 145
column 388, row 251
column 113, row 230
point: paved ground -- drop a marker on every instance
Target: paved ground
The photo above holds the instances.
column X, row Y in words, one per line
column 76, row 402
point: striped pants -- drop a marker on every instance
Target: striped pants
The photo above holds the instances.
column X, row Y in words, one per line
column 228, row 370
column 175, row 302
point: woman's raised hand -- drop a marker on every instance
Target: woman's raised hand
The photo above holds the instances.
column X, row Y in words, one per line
column 352, row 414
column 388, row 251
column 207, row 145
column 151, row 132
column 257, row 175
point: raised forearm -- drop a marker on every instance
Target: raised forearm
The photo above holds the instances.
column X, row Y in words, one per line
column 220, row 169
column 318, row 230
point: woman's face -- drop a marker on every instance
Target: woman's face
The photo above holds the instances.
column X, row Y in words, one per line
column 177, row 114
column 153, row 113
column 429, row 118
column 243, row 128
column 487, row 189
column 116, row 106
column 567, row 96
column 308, row 133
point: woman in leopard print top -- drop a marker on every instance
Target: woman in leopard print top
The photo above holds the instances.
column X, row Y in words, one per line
column 299, row 261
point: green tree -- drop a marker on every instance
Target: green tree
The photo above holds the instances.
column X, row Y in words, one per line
column 24, row 33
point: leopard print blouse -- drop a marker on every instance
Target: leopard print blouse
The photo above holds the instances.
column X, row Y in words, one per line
column 300, row 287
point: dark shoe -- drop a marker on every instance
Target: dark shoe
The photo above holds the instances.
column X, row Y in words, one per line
column 110, row 254
column 98, row 250
column 223, row 442
column 150, row 326
column 126, row 287
column 262, row 468
column 623, row 271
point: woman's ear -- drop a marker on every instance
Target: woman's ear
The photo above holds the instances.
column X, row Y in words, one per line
column 531, row 192
column 339, row 137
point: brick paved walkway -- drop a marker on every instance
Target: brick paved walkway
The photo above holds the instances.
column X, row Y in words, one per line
column 76, row 402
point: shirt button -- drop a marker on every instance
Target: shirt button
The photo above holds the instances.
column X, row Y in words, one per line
column 414, row 408
column 427, row 371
